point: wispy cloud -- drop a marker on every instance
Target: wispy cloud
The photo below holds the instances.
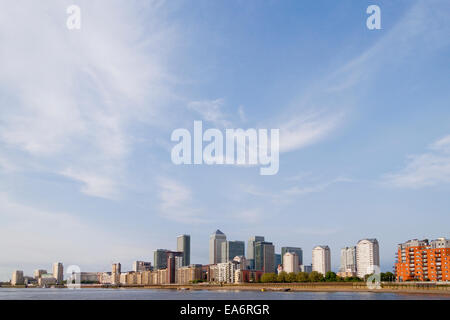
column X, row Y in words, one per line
column 211, row 111
column 71, row 96
column 176, row 202
column 424, row 170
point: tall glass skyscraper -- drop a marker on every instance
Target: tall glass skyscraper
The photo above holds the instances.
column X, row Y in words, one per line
column 251, row 250
column 215, row 246
column 231, row 249
column 184, row 245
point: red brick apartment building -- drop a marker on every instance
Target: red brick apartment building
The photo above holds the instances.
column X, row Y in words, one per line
column 420, row 260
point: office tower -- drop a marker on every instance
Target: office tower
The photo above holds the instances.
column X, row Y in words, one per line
column 38, row 273
column 367, row 257
column 231, row 249
column 420, row 260
column 215, row 246
column 58, row 272
column 321, row 259
column 297, row 250
column 278, row 259
column 290, row 262
column 251, row 250
column 141, row 266
column 348, row 260
column 264, row 256
column 160, row 258
column 174, row 261
column 17, row 278
column 184, row 245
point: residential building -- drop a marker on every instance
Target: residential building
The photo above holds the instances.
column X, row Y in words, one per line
column 421, row 260
column 348, row 260
column 251, row 250
column 297, row 250
column 47, row 280
column 174, row 261
column 215, row 246
column 290, row 262
column 321, row 259
column 58, row 272
column 242, row 262
column 243, row 276
column 226, row 271
column 38, row 273
column 141, row 266
column 367, row 257
column 189, row 274
column 17, row 278
column 184, row 245
column 231, row 249
column 115, row 274
column 160, row 258
column 264, row 256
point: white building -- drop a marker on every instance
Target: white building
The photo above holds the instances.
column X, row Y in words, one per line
column 215, row 246
column 290, row 262
column 58, row 272
column 321, row 259
column 348, row 260
column 367, row 257
column 226, row 271
column 38, row 273
column 141, row 266
column 17, row 278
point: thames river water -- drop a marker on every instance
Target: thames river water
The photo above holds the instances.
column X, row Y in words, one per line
column 149, row 294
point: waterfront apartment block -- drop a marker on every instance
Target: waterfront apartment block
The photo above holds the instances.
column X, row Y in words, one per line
column 298, row 251
column 17, row 278
column 421, row 260
column 290, row 262
column 58, row 272
column 367, row 257
column 348, row 260
column 321, row 259
column 140, row 266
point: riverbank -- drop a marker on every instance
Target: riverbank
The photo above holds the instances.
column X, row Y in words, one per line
column 404, row 288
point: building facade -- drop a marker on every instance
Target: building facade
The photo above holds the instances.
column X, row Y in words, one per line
column 231, row 249
column 264, row 256
column 184, row 245
column 290, row 262
column 367, row 257
column 321, row 259
column 297, row 250
column 58, row 272
column 141, row 266
column 348, row 260
column 215, row 246
column 160, row 258
column 17, row 278
column 421, row 260
column 251, row 250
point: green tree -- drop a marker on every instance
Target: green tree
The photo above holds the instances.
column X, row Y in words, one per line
column 282, row 276
column 388, row 276
column 269, row 278
column 316, row 276
column 331, row 276
column 291, row 277
column 302, row 277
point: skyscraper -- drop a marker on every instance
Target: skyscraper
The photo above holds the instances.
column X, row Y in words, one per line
column 297, row 250
column 251, row 250
column 321, row 259
column 367, row 257
column 348, row 260
column 58, row 272
column 184, row 245
column 174, row 261
column 160, row 258
column 17, row 278
column 231, row 249
column 264, row 256
column 215, row 246
column 290, row 262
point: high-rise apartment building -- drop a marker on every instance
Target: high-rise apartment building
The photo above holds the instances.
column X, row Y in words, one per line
column 421, row 260
column 231, row 249
column 321, row 259
column 184, row 245
column 17, row 278
column 38, row 273
column 141, row 266
column 215, row 246
column 367, row 257
column 251, row 250
column 297, row 250
column 290, row 262
column 264, row 256
column 58, row 272
column 160, row 258
column 348, row 260
column 174, row 262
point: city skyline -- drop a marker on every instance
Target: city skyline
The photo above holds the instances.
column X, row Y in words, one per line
column 86, row 118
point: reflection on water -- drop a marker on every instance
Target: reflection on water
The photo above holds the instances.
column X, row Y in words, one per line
column 149, row 294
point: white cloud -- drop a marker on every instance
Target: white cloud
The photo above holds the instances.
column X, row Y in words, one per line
column 424, row 170
column 176, row 202
column 75, row 94
column 211, row 111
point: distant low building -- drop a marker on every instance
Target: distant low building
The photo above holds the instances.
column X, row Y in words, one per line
column 306, row 268
column 38, row 273
column 47, row 280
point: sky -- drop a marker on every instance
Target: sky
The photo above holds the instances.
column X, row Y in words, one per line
column 86, row 117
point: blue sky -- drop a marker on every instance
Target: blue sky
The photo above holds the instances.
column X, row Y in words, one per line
column 86, row 117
